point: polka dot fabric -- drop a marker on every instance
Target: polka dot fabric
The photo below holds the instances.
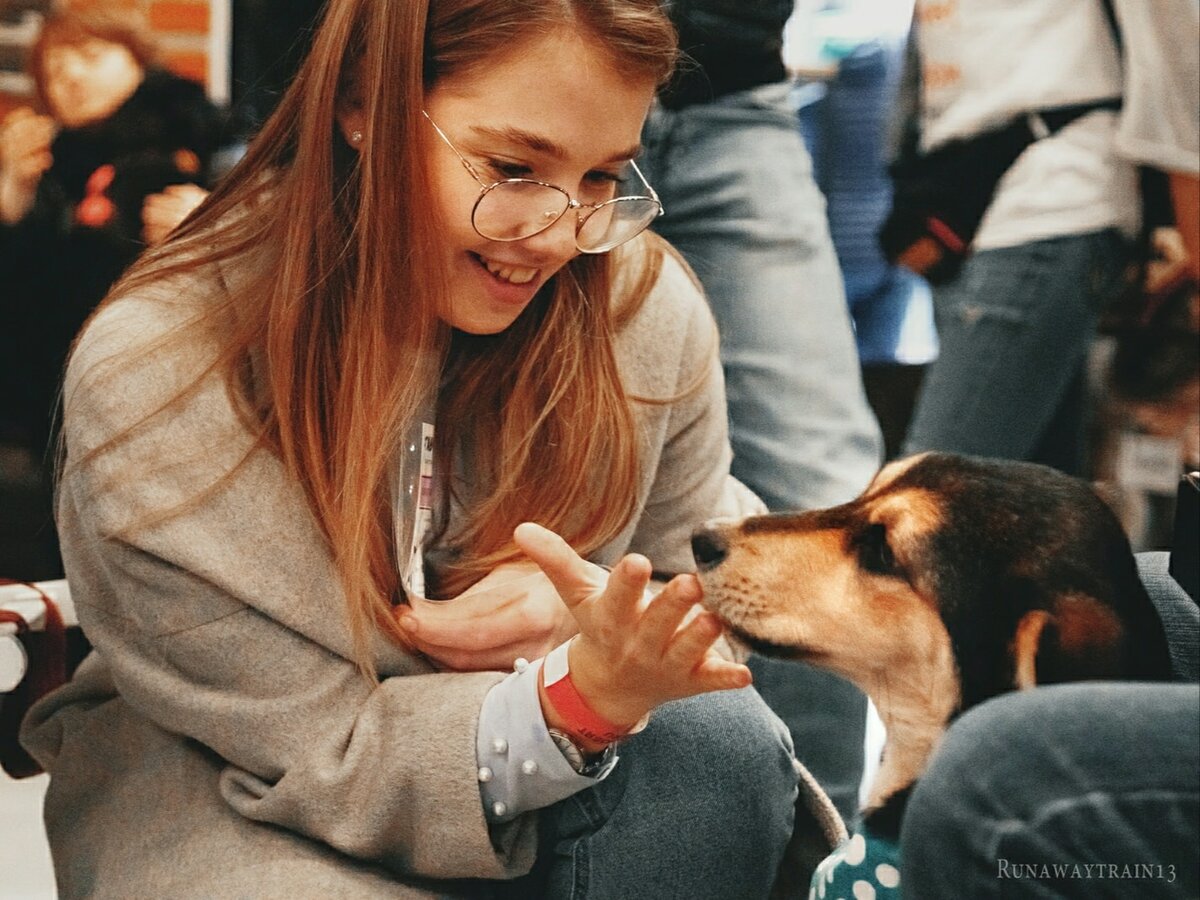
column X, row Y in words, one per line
column 863, row 868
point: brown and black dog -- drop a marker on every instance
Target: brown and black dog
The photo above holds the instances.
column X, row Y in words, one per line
column 950, row 580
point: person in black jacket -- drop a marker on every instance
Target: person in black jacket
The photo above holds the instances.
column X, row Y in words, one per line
column 112, row 155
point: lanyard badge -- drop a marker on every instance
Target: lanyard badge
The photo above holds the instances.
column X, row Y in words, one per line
column 413, row 506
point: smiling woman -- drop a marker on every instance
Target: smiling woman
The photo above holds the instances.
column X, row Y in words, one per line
column 339, row 390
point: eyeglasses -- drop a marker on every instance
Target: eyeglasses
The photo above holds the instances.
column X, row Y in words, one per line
column 517, row 208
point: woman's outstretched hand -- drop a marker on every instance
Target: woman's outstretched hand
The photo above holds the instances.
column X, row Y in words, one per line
column 631, row 654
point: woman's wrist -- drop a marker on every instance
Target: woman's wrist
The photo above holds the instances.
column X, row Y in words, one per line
column 593, row 680
column 557, row 722
column 575, row 711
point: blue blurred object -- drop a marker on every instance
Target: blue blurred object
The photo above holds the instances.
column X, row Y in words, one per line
column 844, row 122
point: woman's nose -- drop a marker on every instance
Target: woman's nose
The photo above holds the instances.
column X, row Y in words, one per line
column 558, row 241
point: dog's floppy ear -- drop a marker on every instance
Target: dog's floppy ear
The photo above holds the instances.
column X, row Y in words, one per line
column 1080, row 639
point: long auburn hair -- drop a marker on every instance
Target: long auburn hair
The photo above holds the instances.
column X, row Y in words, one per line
column 347, row 282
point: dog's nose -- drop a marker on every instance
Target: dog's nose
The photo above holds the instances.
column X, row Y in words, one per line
column 708, row 548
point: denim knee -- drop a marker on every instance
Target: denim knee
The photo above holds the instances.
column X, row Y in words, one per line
column 740, row 755
column 1079, row 773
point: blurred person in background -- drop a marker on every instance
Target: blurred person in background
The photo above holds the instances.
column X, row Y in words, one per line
column 1016, row 323
column 849, row 56
column 110, row 158
column 741, row 205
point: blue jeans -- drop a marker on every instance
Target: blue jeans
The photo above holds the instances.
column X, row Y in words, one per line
column 1015, row 327
column 701, row 805
column 1100, row 780
column 742, row 207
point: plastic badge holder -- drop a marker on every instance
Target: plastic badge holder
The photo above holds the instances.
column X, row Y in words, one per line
column 413, row 505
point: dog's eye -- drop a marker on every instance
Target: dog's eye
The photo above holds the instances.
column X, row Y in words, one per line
column 874, row 554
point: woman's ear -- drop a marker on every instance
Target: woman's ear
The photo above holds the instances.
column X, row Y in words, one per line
column 351, row 109
column 352, row 122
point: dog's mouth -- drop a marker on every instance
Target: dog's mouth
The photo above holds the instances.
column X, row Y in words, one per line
column 744, row 643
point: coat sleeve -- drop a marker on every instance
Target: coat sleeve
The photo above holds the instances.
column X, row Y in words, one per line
column 221, row 620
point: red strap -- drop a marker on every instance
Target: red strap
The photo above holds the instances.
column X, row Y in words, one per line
column 945, row 234
column 53, row 621
column 579, row 717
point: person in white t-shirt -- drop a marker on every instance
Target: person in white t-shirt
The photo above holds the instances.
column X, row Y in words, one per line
column 1016, row 323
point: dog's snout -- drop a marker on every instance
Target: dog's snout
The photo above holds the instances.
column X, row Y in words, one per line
column 708, row 548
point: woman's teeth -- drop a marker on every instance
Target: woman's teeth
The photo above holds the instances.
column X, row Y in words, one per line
column 511, row 274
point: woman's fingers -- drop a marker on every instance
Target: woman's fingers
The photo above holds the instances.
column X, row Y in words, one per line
column 715, row 673
column 632, row 655
column 666, row 612
column 439, row 624
column 576, row 579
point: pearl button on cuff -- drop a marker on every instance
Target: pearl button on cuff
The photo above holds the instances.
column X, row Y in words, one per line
column 485, row 774
column 499, row 745
column 529, row 767
column 499, row 808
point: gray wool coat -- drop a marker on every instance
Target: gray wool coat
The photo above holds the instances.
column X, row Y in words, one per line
column 220, row 741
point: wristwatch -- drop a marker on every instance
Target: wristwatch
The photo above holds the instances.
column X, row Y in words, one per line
column 583, row 764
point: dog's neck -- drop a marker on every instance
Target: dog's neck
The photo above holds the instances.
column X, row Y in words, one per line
column 915, row 716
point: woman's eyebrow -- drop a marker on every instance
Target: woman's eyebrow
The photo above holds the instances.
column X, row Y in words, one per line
column 540, row 144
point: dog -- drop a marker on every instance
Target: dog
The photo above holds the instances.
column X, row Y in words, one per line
column 950, row 580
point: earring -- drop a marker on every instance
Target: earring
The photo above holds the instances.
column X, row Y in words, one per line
column 356, row 137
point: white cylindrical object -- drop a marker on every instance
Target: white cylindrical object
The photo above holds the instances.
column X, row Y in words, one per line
column 13, row 663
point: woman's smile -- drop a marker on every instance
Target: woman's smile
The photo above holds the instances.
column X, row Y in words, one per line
column 509, row 287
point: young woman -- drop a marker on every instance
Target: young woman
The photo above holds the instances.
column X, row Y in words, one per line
column 421, row 312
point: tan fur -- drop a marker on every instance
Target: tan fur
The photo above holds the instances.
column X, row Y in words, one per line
column 890, row 473
column 1025, row 647
column 800, row 587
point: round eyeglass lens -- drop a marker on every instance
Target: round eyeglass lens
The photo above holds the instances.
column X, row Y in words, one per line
column 512, row 210
column 615, row 222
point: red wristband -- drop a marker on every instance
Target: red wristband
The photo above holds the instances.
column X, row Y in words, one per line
column 578, row 717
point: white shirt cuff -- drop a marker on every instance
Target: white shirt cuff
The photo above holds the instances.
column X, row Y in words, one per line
column 520, row 767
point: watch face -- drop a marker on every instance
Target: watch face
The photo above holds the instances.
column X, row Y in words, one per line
column 575, row 757
column 570, row 752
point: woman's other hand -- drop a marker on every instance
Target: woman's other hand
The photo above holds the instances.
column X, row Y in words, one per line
column 163, row 211
column 632, row 655
column 512, row 612
column 25, row 139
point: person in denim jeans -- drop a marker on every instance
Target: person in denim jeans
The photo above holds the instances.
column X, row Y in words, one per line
column 1076, row 790
column 1080, row 790
column 741, row 205
column 1016, row 323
